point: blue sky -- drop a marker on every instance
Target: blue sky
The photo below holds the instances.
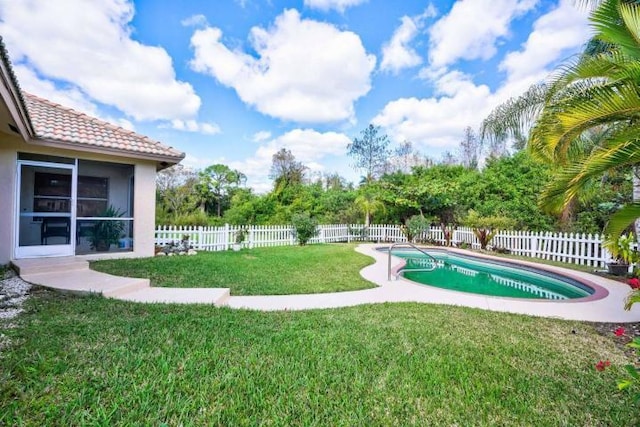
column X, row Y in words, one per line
column 234, row 81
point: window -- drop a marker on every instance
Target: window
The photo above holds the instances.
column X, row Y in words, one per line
column 51, row 192
column 93, row 196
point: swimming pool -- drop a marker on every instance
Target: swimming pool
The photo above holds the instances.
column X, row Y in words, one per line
column 470, row 274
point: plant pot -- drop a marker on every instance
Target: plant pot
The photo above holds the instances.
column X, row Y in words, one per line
column 102, row 246
column 618, row 269
column 237, row 246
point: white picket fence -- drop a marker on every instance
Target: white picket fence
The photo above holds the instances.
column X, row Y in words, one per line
column 565, row 247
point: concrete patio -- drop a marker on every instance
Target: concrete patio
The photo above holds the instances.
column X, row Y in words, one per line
column 72, row 274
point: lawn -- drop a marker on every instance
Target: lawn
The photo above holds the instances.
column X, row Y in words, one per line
column 94, row 361
column 264, row 271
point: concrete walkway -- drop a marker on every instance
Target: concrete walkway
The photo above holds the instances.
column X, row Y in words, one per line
column 73, row 274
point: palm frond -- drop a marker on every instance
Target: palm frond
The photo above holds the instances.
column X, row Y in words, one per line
column 621, row 220
column 632, row 298
column 611, row 21
column 513, row 118
column 560, row 124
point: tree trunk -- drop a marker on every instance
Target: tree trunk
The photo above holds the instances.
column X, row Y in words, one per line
column 636, row 198
column 367, row 219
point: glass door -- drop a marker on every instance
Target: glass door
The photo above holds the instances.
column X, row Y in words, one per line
column 45, row 219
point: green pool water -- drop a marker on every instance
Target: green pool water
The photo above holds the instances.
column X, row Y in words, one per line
column 474, row 275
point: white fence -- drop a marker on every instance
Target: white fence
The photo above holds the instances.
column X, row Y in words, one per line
column 565, row 247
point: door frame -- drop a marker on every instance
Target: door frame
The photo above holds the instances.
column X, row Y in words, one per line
column 37, row 251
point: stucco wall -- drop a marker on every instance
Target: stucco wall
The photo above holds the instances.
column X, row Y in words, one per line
column 144, row 209
column 144, row 193
column 7, row 197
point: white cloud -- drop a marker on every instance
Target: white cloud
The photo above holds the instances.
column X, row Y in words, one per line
column 286, row 81
column 554, row 35
column 263, row 135
column 88, row 44
column 472, row 28
column 195, row 126
column 197, row 163
column 71, row 96
column 326, row 5
column 195, row 21
column 397, row 53
column 436, row 124
column 307, row 145
column 123, row 123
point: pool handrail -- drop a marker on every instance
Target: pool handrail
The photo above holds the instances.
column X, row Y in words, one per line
column 399, row 244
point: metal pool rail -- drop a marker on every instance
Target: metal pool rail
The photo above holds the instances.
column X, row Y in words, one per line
column 417, row 260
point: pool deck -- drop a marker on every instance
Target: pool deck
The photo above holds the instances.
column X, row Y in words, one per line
column 73, row 274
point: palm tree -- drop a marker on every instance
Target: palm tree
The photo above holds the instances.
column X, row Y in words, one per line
column 598, row 94
column 586, row 119
column 369, row 203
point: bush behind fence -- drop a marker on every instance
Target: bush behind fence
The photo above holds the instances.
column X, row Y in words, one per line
column 576, row 248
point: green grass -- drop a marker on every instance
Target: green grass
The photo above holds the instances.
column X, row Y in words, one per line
column 264, row 271
column 94, row 361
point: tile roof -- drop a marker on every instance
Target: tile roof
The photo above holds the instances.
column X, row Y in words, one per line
column 13, row 81
column 56, row 123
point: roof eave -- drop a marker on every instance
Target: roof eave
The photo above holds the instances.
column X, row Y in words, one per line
column 12, row 96
column 164, row 160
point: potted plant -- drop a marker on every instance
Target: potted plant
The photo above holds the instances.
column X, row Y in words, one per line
column 623, row 254
column 240, row 237
column 107, row 232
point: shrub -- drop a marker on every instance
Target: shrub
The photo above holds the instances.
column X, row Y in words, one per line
column 486, row 227
column 622, row 249
column 414, row 227
column 304, row 228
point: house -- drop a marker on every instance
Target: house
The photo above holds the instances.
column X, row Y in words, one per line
column 71, row 184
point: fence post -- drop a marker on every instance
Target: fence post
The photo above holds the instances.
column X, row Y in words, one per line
column 200, row 238
column 251, row 237
column 534, row 245
column 225, row 240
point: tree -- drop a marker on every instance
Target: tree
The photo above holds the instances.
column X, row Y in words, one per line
column 585, row 119
column 449, row 159
column 438, row 190
column 598, row 94
column 175, row 192
column 285, row 170
column 368, row 202
column 334, row 181
column 216, row 182
column 404, row 157
column 509, row 184
column 370, row 152
column 470, row 149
